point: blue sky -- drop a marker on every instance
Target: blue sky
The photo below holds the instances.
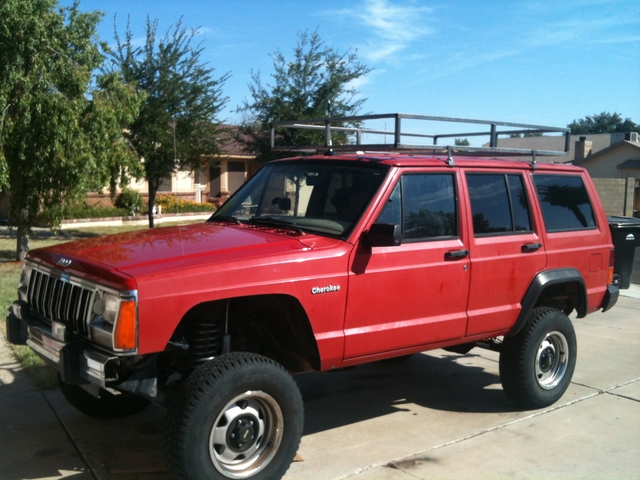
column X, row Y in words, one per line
column 537, row 61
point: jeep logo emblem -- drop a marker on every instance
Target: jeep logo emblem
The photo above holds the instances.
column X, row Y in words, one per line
column 63, row 262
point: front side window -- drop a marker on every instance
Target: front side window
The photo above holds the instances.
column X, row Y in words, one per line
column 322, row 197
column 425, row 206
column 499, row 204
column 565, row 202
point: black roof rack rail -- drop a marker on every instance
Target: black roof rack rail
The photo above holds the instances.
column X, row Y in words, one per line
column 356, row 126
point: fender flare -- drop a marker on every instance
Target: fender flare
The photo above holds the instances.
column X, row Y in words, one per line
column 544, row 280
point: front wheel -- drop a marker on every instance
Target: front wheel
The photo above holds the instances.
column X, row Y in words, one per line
column 239, row 416
column 537, row 364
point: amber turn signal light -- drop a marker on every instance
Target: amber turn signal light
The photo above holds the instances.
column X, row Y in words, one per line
column 612, row 256
column 125, row 330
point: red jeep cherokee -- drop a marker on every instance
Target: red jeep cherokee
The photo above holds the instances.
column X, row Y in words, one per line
column 319, row 262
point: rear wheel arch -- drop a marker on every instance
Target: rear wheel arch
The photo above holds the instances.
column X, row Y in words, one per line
column 562, row 288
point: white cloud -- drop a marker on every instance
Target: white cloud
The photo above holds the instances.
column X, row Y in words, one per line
column 594, row 30
column 394, row 26
column 204, row 31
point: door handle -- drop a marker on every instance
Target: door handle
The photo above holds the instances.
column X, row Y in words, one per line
column 531, row 247
column 457, row 254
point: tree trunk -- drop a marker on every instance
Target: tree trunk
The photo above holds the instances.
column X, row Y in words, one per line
column 22, row 244
column 152, row 201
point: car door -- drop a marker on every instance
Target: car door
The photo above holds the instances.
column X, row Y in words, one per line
column 506, row 248
column 414, row 293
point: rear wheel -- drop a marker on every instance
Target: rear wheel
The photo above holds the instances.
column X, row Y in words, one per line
column 238, row 416
column 537, row 364
column 107, row 405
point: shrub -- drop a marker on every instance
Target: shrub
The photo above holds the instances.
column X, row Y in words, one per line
column 171, row 204
column 131, row 201
column 85, row 210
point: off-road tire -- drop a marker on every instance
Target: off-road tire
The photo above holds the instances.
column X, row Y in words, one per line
column 238, row 395
column 105, row 407
column 537, row 364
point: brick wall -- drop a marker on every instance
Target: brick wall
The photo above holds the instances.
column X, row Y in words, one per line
column 616, row 195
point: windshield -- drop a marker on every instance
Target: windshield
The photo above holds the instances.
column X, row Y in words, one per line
column 323, row 197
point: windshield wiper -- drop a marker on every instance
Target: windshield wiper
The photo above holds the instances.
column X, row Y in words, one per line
column 269, row 221
column 224, row 218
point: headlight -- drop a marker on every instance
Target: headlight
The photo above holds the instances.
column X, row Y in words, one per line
column 115, row 320
column 106, row 305
column 23, row 285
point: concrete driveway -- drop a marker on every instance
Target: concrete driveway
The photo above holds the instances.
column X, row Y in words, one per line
column 436, row 415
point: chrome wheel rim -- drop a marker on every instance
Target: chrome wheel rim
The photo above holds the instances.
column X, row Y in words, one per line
column 551, row 360
column 246, row 435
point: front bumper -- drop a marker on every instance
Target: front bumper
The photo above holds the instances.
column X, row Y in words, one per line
column 77, row 362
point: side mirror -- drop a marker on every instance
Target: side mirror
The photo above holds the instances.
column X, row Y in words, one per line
column 384, row 235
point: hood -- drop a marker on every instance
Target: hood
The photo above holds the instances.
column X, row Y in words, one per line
column 150, row 249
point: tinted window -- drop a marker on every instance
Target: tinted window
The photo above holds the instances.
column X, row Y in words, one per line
column 392, row 212
column 498, row 204
column 323, row 197
column 565, row 202
column 519, row 203
column 429, row 206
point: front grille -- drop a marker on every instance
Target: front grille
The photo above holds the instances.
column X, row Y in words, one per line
column 61, row 300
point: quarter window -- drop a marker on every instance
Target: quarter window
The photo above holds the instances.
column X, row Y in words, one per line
column 498, row 204
column 565, row 203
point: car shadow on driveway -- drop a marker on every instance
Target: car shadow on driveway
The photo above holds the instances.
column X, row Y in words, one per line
column 450, row 382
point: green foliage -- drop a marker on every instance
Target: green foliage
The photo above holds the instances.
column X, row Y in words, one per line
column 316, row 83
column 130, row 201
column 177, row 123
column 82, row 209
column 463, row 142
column 85, row 210
column 604, row 122
column 60, row 128
column 42, row 375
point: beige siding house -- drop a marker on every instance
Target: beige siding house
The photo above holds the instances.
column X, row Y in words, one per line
column 210, row 184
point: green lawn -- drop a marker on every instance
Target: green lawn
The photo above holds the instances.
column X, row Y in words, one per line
column 43, row 376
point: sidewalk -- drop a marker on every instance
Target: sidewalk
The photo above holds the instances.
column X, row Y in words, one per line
column 437, row 415
column 35, row 444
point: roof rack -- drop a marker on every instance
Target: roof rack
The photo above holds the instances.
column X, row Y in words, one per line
column 358, row 130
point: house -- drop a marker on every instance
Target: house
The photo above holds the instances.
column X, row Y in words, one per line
column 230, row 171
column 615, row 171
column 621, row 159
column 556, row 143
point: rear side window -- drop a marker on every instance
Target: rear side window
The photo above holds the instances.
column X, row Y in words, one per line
column 425, row 206
column 565, row 203
column 499, row 204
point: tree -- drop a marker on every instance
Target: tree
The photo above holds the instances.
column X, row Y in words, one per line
column 60, row 126
column 604, row 122
column 463, row 142
column 177, row 124
column 318, row 82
